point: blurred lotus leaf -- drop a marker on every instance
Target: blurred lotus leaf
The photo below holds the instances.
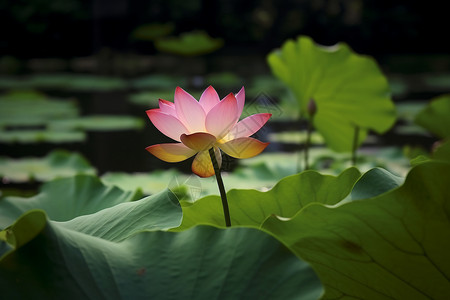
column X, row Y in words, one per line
column 58, row 163
column 37, row 135
column 435, row 117
column 97, row 123
column 30, row 108
column 189, row 44
column 151, row 32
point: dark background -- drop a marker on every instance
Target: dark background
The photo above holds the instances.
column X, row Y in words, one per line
column 71, row 28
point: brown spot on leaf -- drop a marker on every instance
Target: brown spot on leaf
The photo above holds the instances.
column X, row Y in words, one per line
column 351, row 246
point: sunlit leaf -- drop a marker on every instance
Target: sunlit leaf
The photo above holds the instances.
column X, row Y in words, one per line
column 349, row 89
column 291, row 194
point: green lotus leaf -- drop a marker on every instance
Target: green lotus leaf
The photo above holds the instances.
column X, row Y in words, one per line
column 159, row 82
column 58, row 163
column 251, row 207
column 435, row 116
column 79, row 82
column 375, row 182
column 393, row 246
column 349, row 89
column 153, row 31
column 40, row 136
column 189, row 44
column 442, row 151
column 200, row 263
column 97, row 123
column 29, row 108
column 66, row 198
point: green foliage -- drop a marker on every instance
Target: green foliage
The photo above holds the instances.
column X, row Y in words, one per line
column 376, row 248
column 435, row 117
column 72, row 82
column 349, row 89
column 393, row 246
column 58, row 163
column 30, row 108
column 158, row 82
column 189, row 44
column 97, row 123
column 153, row 31
column 111, row 247
column 291, row 194
column 36, row 136
column 66, row 198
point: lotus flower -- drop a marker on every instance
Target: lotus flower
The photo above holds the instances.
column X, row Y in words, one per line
column 198, row 126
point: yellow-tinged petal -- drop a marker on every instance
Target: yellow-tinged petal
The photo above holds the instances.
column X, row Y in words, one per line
column 244, row 147
column 198, row 141
column 202, row 165
column 173, row 152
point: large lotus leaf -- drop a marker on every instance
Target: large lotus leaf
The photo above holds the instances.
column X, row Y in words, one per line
column 38, row 136
column 189, row 44
column 291, row 194
column 66, row 198
column 58, row 163
column 375, row 182
column 97, row 123
column 349, row 89
column 56, row 261
column 29, row 108
column 393, row 246
column 435, row 116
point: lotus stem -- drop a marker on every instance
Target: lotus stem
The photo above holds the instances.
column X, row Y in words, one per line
column 355, row 145
column 308, row 143
column 223, row 194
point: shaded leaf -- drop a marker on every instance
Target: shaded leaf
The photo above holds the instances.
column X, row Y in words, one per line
column 66, row 198
column 375, row 182
column 393, row 246
column 161, row 265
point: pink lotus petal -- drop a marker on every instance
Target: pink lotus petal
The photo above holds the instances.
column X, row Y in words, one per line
column 240, row 97
column 173, row 152
column 202, row 165
column 189, row 111
column 199, row 141
column 167, row 124
column 167, row 107
column 209, row 99
column 244, row 147
column 222, row 117
column 247, row 126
